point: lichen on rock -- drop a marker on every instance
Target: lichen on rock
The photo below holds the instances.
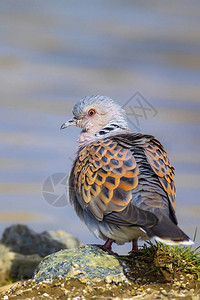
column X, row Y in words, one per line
column 87, row 263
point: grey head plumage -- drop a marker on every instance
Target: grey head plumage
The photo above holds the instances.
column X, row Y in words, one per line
column 98, row 117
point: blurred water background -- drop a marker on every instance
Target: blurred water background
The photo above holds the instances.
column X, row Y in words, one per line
column 52, row 53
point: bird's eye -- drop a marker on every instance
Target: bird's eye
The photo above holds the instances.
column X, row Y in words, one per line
column 91, row 112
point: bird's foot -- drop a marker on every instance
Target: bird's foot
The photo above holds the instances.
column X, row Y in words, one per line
column 106, row 247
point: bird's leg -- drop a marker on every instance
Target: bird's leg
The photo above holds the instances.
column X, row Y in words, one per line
column 107, row 246
column 134, row 245
column 134, row 248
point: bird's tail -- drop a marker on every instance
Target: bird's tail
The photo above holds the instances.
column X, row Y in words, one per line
column 168, row 233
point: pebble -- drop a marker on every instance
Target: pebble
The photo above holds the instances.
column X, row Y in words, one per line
column 109, row 279
column 181, row 295
column 66, row 292
column 45, row 295
column 164, row 292
column 19, row 293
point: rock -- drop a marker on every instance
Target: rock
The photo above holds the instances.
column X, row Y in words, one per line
column 21, row 249
column 16, row 265
column 87, row 263
column 19, row 238
column 23, row 266
column 6, row 258
column 61, row 236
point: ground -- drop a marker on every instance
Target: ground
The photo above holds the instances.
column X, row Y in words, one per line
column 157, row 272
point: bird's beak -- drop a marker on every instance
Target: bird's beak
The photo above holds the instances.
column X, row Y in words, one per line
column 72, row 122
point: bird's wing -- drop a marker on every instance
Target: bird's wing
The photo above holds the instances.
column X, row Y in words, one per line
column 103, row 177
column 148, row 148
column 160, row 164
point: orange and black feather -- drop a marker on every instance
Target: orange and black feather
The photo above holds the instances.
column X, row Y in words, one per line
column 103, row 177
column 160, row 164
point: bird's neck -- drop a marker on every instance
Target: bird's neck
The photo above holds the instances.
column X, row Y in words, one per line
column 111, row 129
column 86, row 137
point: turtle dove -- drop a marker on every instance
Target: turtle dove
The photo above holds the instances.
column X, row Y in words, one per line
column 122, row 183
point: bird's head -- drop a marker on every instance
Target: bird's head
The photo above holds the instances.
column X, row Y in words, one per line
column 98, row 117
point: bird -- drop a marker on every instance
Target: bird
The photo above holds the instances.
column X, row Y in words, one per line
column 121, row 184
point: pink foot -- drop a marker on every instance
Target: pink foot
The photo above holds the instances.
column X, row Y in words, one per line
column 106, row 247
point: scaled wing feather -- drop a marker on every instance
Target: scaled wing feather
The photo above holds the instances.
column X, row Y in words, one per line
column 104, row 175
column 160, row 164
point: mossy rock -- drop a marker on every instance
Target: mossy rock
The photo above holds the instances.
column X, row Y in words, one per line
column 87, row 263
